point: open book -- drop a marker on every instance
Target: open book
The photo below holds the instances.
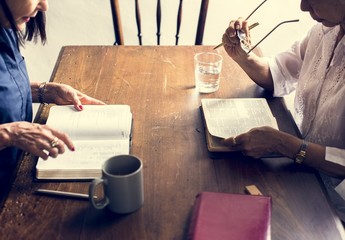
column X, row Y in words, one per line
column 226, row 118
column 98, row 133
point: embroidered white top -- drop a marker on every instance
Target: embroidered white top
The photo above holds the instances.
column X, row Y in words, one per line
column 318, row 76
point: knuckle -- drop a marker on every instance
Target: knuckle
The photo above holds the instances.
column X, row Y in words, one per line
column 61, row 149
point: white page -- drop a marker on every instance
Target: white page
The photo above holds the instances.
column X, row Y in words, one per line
column 98, row 133
column 230, row 117
column 87, row 155
column 93, row 122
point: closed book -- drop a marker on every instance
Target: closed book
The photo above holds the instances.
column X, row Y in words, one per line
column 219, row 216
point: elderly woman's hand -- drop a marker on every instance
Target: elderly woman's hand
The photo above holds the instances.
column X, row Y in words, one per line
column 231, row 42
column 37, row 139
column 261, row 142
column 62, row 94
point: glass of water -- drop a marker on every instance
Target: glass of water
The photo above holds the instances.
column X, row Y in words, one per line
column 207, row 66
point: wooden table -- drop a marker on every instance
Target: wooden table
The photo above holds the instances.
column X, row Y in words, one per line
column 168, row 135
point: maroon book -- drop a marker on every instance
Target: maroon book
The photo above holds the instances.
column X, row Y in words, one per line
column 228, row 216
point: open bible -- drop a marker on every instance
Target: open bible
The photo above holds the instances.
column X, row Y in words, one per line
column 98, row 133
column 226, row 118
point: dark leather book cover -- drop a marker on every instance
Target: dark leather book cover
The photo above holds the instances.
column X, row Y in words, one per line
column 219, row 216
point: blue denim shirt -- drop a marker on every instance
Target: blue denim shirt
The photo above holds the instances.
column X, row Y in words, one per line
column 15, row 94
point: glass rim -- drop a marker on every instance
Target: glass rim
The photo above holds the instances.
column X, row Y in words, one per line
column 208, row 53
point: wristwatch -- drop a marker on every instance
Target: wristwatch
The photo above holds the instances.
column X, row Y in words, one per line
column 301, row 155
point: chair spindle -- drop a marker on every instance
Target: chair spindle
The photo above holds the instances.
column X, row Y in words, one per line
column 138, row 19
column 158, row 19
column 119, row 39
column 178, row 25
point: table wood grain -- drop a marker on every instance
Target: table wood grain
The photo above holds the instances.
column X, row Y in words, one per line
column 168, row 135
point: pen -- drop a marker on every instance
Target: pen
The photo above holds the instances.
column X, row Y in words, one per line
column 250, row 27
column 62, row 194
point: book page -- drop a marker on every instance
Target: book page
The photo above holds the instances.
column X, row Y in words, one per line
column 230, row 117
column 93, row 122
column 98, row 133
column 87, row 155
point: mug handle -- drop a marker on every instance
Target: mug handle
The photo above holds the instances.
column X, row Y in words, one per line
column 100, row 204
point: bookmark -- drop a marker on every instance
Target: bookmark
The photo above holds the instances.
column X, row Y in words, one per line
column 253, row 190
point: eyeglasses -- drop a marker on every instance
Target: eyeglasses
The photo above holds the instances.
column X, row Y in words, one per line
column 242, row 36
column 288, row 21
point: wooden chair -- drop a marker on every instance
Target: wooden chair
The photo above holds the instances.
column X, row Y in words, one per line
column 119, row 38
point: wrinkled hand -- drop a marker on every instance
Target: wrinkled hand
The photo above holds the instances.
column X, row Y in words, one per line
column 257, row 142
column 62, row 94
column 37, row 139
column 232, row 43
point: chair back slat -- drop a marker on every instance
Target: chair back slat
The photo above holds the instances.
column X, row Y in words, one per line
column 138, row 20
column 178, row 24
column 201, row 22
column 119, row 38
column 115, row 10
column 159, row 20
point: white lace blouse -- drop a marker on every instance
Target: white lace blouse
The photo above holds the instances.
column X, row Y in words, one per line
column 319, row 80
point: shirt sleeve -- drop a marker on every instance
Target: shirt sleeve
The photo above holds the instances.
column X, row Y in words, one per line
column 337, row 155
column 340, row 189
column 285, row 67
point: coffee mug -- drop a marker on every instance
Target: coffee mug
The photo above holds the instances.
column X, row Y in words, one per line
column 122, row 180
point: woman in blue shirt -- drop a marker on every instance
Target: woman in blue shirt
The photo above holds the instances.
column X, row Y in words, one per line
column 22, row 20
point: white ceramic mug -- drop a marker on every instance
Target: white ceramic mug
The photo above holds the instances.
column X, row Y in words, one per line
column 122, row 180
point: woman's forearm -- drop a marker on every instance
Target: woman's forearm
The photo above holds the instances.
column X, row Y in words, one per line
column 4, row 136
column 315, row 155
column 316, row 158
column 34, row 91
column 258, row 70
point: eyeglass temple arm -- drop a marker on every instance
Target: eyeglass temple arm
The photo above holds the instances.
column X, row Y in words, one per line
column 289, row 21
column 255, row 10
